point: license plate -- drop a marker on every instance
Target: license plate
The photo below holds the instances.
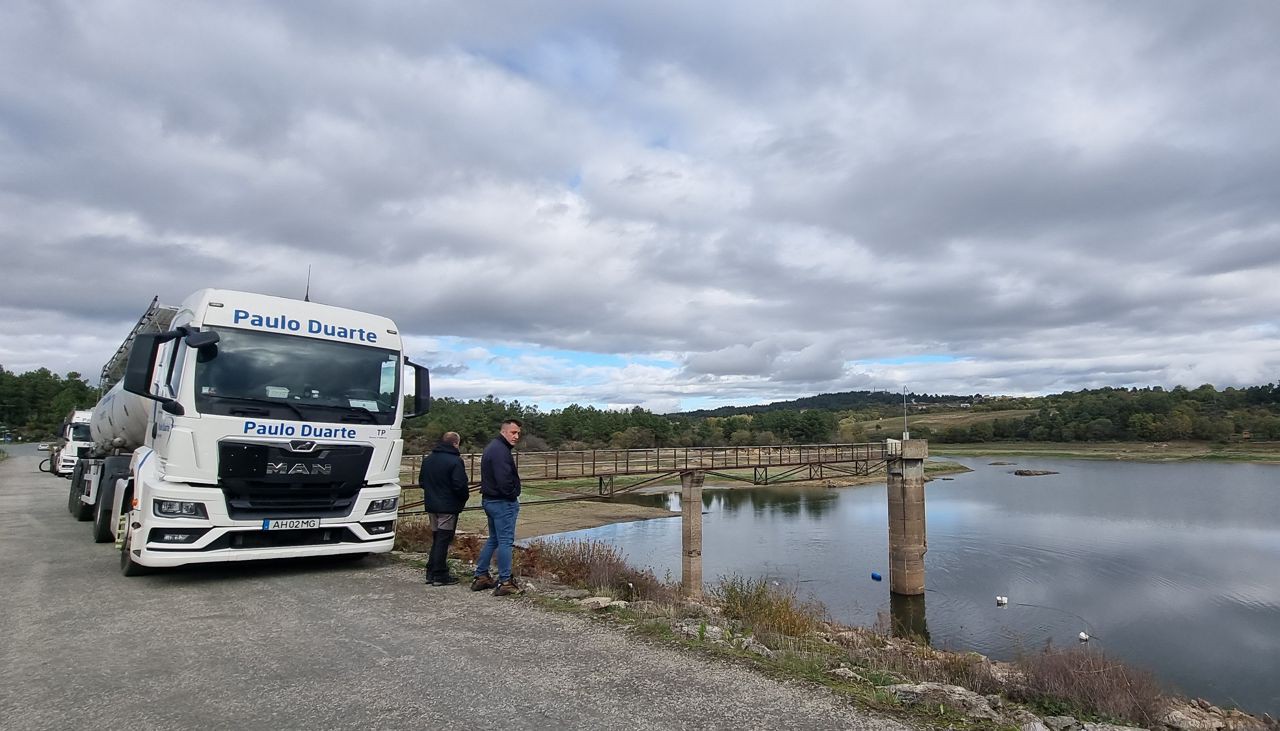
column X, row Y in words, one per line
column 290, row 523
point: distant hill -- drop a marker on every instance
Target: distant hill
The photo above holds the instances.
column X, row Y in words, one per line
column 841, row 401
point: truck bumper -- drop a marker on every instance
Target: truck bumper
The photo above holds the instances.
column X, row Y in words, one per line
column 164, row 541
column 180, row 557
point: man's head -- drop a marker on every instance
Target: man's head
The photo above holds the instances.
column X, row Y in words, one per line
column 451, row 437
column 510, row 431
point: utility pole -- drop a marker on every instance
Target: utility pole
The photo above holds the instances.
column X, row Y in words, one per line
column 905, row 433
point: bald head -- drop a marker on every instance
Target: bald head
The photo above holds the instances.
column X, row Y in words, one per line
column 451, row 437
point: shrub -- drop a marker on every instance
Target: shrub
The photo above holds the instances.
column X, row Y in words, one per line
column 1091, row 682
column 413, row 534
column 766, row 607
column 597, row 566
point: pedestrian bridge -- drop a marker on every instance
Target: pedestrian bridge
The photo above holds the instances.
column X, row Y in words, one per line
column 902, row 461
column 768, row 465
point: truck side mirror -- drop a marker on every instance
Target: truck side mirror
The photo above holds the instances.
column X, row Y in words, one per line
column 205, row 344
column 142, row 363
column 421, row 389
column 202, row 339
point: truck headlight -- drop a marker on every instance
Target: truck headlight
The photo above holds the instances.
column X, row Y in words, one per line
column 383, row 506
column 179, row 509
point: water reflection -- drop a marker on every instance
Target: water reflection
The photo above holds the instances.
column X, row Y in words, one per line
column 1173, row 568
column 791, row 501
column 907, row 617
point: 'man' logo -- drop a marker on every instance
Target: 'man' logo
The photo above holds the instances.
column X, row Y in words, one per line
column 301, row 468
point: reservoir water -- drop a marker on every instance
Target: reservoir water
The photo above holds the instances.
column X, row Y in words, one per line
column 1172, row 567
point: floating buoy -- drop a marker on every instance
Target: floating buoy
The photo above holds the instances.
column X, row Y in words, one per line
column 875, row 576
column 1083, row 637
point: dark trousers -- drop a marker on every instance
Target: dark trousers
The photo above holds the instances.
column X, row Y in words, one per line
column 437, row 562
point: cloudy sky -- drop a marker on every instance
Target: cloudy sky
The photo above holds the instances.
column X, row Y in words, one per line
column 669, row 204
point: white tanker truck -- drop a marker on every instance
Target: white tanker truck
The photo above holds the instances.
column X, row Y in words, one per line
column 76, row 443
column 240, row 426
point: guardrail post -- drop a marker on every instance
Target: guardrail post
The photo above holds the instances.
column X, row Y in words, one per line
column 691, row 532
column 907, row 541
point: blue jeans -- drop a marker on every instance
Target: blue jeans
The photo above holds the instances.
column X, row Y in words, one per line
column 502, row 533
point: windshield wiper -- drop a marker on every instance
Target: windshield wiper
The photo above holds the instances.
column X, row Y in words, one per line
column 264, row 402
column 359, row 412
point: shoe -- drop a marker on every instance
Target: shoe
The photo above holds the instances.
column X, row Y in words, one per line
column 480, row 583
column 507, row 588
column 444, row 581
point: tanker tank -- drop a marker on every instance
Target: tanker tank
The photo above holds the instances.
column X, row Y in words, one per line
column 119, row 421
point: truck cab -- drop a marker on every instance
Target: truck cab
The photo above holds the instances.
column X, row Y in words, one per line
column 272, row 429
column 76, row 443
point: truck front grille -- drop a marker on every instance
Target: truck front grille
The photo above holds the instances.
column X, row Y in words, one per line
column 272, row 481
column 254, row 499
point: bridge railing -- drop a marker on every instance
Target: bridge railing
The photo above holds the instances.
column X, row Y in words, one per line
column 588, row 463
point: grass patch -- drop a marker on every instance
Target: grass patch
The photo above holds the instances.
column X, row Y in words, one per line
column 1084, row 681
column 598, row 567
column 766, row 608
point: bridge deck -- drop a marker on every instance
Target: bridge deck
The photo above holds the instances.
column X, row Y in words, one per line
column 613, row 462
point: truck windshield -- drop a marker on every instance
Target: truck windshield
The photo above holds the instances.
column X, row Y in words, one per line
column 79, row 433
column 290, row 377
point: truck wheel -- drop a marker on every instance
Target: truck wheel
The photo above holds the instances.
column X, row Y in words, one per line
column 73, row 496
column 79, row 508
column 128, row 566
column 102, row 513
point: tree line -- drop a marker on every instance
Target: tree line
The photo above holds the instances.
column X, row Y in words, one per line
column 1106, row 414
column 1135, row 414
column 33, row 405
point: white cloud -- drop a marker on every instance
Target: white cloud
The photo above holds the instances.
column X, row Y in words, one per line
column 1051, row 197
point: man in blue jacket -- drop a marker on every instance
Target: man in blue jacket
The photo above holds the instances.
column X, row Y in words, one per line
column 444, row 495
column 500, row 497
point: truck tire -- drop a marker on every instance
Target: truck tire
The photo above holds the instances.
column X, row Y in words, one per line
column 128, row 566
column 73, row 496
column 102, row 512
column 80, row 510
column 113, row 469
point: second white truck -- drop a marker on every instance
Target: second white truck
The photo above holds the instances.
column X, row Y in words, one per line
column 76, row 443
column 244, row 426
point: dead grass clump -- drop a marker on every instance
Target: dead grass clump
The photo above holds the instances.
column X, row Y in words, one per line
column 596, row 566
column 767, row 608
column 910, row 659
column 466, row 546
column 969, row 671
column 413, row 535
column 1089, row 681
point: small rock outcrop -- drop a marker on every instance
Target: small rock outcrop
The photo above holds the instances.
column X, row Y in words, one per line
column 954, row 697
column 595, row 603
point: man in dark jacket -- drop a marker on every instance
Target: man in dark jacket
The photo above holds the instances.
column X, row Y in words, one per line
column 500, row 496
column 444, row 493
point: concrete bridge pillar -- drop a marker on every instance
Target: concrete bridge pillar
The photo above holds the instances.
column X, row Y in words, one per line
column 907, row 541
column 691, row 532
